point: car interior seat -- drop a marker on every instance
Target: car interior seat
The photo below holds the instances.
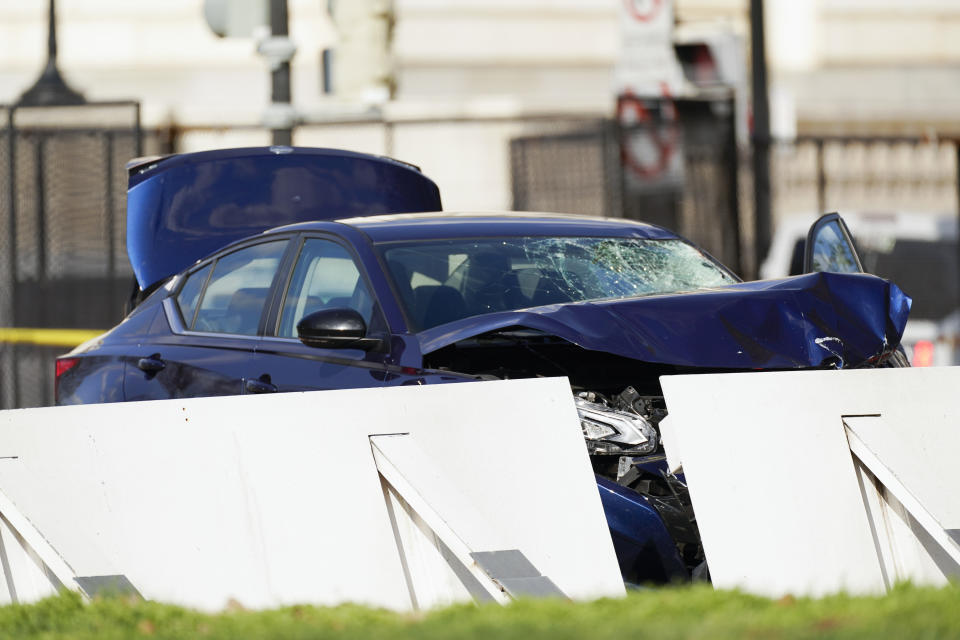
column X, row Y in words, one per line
column 550, row 290
column 243, row 312
column 437, row 304
column 492, row 285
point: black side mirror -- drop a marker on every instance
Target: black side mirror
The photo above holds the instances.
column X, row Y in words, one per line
column 830, row 247
column 340, row 328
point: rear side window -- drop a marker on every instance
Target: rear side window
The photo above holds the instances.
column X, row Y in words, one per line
column 237, row 290
column 190, row 294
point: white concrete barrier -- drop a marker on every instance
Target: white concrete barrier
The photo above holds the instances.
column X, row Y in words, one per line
column 404, row 498
column 819, row 482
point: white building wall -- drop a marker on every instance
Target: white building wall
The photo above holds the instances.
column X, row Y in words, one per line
column 532, row 54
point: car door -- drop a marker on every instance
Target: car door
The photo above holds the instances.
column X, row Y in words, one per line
column 829, row 247
column 209, row 327
column 325, row 274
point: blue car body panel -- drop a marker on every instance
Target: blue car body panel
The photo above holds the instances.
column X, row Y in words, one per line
column 184, row 207
column 800, row 322
column 645, row 550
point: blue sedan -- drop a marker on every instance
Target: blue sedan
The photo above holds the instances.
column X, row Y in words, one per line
column 424, row 298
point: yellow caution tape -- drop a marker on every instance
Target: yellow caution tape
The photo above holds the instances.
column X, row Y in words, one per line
column 47, row 337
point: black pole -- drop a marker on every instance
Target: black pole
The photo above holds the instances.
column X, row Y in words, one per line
column 12, row 210
column 108, row 213
column 821, row 179
column 956, row 150
column 761, row 135
column 50, row 88
column 11, row 187
column 280, row 75
column 41, row 211
column 735, row 243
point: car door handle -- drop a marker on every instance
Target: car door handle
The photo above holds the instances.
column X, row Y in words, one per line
column 254, row 385
column 151, row 364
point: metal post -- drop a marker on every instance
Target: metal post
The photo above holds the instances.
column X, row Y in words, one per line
column 733, row 184
column 108, row 212
column 41, row 223
column 956, row 149
column 761, row 134
column 50, row 88
column 821, row 179
column 137, row 131
column 280, row 75
column 619, row 140
column 12, row 208
column 10, row 351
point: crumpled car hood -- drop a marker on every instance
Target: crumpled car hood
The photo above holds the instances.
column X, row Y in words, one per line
column 799, row 322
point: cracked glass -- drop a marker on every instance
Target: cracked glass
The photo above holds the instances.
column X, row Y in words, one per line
column 442, row 281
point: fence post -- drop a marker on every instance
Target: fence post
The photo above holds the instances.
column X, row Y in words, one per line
column 12, row 209
column 761, row 134
column 733, row 162
column 109, row 217
column 41, row 230
column 9, row 401
column 956, row 150
column 821, row 179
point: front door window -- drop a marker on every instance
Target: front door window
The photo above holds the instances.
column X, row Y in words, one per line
column 325, row 277
column 830, row 247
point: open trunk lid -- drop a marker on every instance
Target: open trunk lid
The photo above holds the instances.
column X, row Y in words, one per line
column 181, row 208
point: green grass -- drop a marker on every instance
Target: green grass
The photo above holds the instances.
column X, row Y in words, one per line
column 664, row 614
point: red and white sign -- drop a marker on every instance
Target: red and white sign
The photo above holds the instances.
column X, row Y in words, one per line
column 647, row 61
column 650, row 144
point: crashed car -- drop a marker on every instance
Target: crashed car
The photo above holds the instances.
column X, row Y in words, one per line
column 230, row 303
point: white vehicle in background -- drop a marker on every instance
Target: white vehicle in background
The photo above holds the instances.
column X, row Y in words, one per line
column 917, row 251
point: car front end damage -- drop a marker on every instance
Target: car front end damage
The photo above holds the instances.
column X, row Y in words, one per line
column 614, row 352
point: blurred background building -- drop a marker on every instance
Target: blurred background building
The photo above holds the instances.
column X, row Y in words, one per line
column 865, row 67
column 837, row 66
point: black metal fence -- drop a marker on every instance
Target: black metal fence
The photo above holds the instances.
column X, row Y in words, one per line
column 62, row 230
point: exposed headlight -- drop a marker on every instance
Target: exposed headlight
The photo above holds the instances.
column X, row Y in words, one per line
column 609, row 431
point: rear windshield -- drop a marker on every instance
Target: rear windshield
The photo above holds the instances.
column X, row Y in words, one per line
column 442, row 281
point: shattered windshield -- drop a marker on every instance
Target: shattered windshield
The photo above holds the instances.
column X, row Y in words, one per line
column 443, row 281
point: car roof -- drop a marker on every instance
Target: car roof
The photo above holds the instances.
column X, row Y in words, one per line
column 448, row 225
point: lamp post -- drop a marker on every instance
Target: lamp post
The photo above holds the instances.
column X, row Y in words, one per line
column 279, row 50
column 50, row 89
